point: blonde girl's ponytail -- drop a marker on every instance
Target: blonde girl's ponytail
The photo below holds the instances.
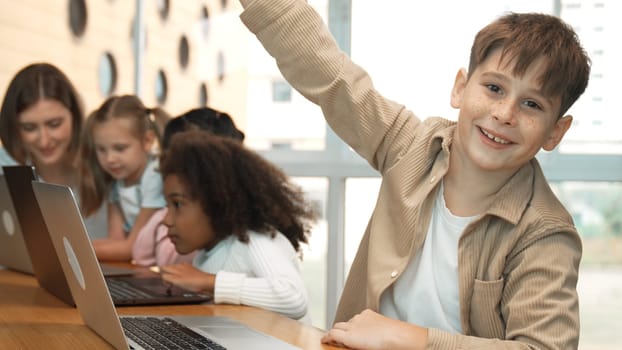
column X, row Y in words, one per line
column 157, row 119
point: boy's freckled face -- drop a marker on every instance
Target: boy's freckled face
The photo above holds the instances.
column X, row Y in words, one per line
column 189, row 227
column 505, row 119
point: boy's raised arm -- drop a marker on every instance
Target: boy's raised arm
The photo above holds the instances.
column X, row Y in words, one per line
column 311, row 61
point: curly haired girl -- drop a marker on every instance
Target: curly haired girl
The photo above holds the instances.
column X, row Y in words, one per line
column 245, row 216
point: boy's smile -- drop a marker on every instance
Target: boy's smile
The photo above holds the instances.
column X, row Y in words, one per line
column 505, row 119
column 496, row 138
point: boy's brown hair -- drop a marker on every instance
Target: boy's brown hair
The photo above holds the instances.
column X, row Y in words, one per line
column 525, row 37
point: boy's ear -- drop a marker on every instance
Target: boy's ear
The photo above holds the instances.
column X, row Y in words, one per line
column 458, row 89
column 557, row 133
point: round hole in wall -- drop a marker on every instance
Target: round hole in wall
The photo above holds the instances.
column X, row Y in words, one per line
column 77, row 17
column 163, row 8
column 203, row 96
column 184, row 52
column 204, row 22
column 220, row 66
column 107, row 74
column 161, row 87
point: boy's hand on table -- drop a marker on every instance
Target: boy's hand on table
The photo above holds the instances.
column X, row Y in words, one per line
column 371, row 330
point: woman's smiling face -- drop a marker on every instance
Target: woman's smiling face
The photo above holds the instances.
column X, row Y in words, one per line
column 45, row 129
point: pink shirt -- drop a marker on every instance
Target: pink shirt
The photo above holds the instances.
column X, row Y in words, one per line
column 152, row 246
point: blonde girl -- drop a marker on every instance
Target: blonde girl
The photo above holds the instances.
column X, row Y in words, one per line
column 118, row 164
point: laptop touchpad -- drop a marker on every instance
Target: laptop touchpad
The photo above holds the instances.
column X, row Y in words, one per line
column 228, row 332
column 240, row 338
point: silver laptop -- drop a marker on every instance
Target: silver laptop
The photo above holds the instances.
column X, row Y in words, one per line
column 94, row 303
column 13, row 253
column 127, row 286
column 34, row 234
column 45, row 264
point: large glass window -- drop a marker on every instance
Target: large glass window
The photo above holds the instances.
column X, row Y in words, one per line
column 271, row 124
column 596, row 208
column 597, row 123
column 313, row 266
column 360, row 200
column 413, row 50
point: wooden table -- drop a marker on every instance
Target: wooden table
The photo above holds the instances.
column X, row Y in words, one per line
column 31, row 318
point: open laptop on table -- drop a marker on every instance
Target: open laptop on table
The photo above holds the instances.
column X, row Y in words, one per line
column 88, row 287
column 13, row 253
column 126, row 288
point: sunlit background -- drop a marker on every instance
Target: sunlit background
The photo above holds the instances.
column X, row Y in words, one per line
column 184, row 54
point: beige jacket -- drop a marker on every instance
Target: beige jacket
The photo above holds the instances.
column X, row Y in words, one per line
column 518, row 262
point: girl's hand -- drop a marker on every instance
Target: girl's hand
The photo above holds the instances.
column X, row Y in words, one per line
column 372, row 331
column 108, row 249
column 189, row 277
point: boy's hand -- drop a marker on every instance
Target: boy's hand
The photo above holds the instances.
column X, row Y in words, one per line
column 188, row 277
column 371, row 330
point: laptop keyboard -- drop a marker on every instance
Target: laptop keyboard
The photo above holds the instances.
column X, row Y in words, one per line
column 122, row 290
column 165, row 333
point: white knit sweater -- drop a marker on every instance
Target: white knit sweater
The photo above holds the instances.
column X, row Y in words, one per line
column 264, row 273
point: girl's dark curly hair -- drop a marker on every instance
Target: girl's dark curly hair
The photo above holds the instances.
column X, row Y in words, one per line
column 237, row 188
column 204, row 118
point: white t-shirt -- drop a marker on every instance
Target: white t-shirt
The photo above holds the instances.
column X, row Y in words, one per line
column 427, row 292
column 146, row 194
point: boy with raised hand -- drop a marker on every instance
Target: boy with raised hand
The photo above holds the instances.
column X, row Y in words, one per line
column 467, row 247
